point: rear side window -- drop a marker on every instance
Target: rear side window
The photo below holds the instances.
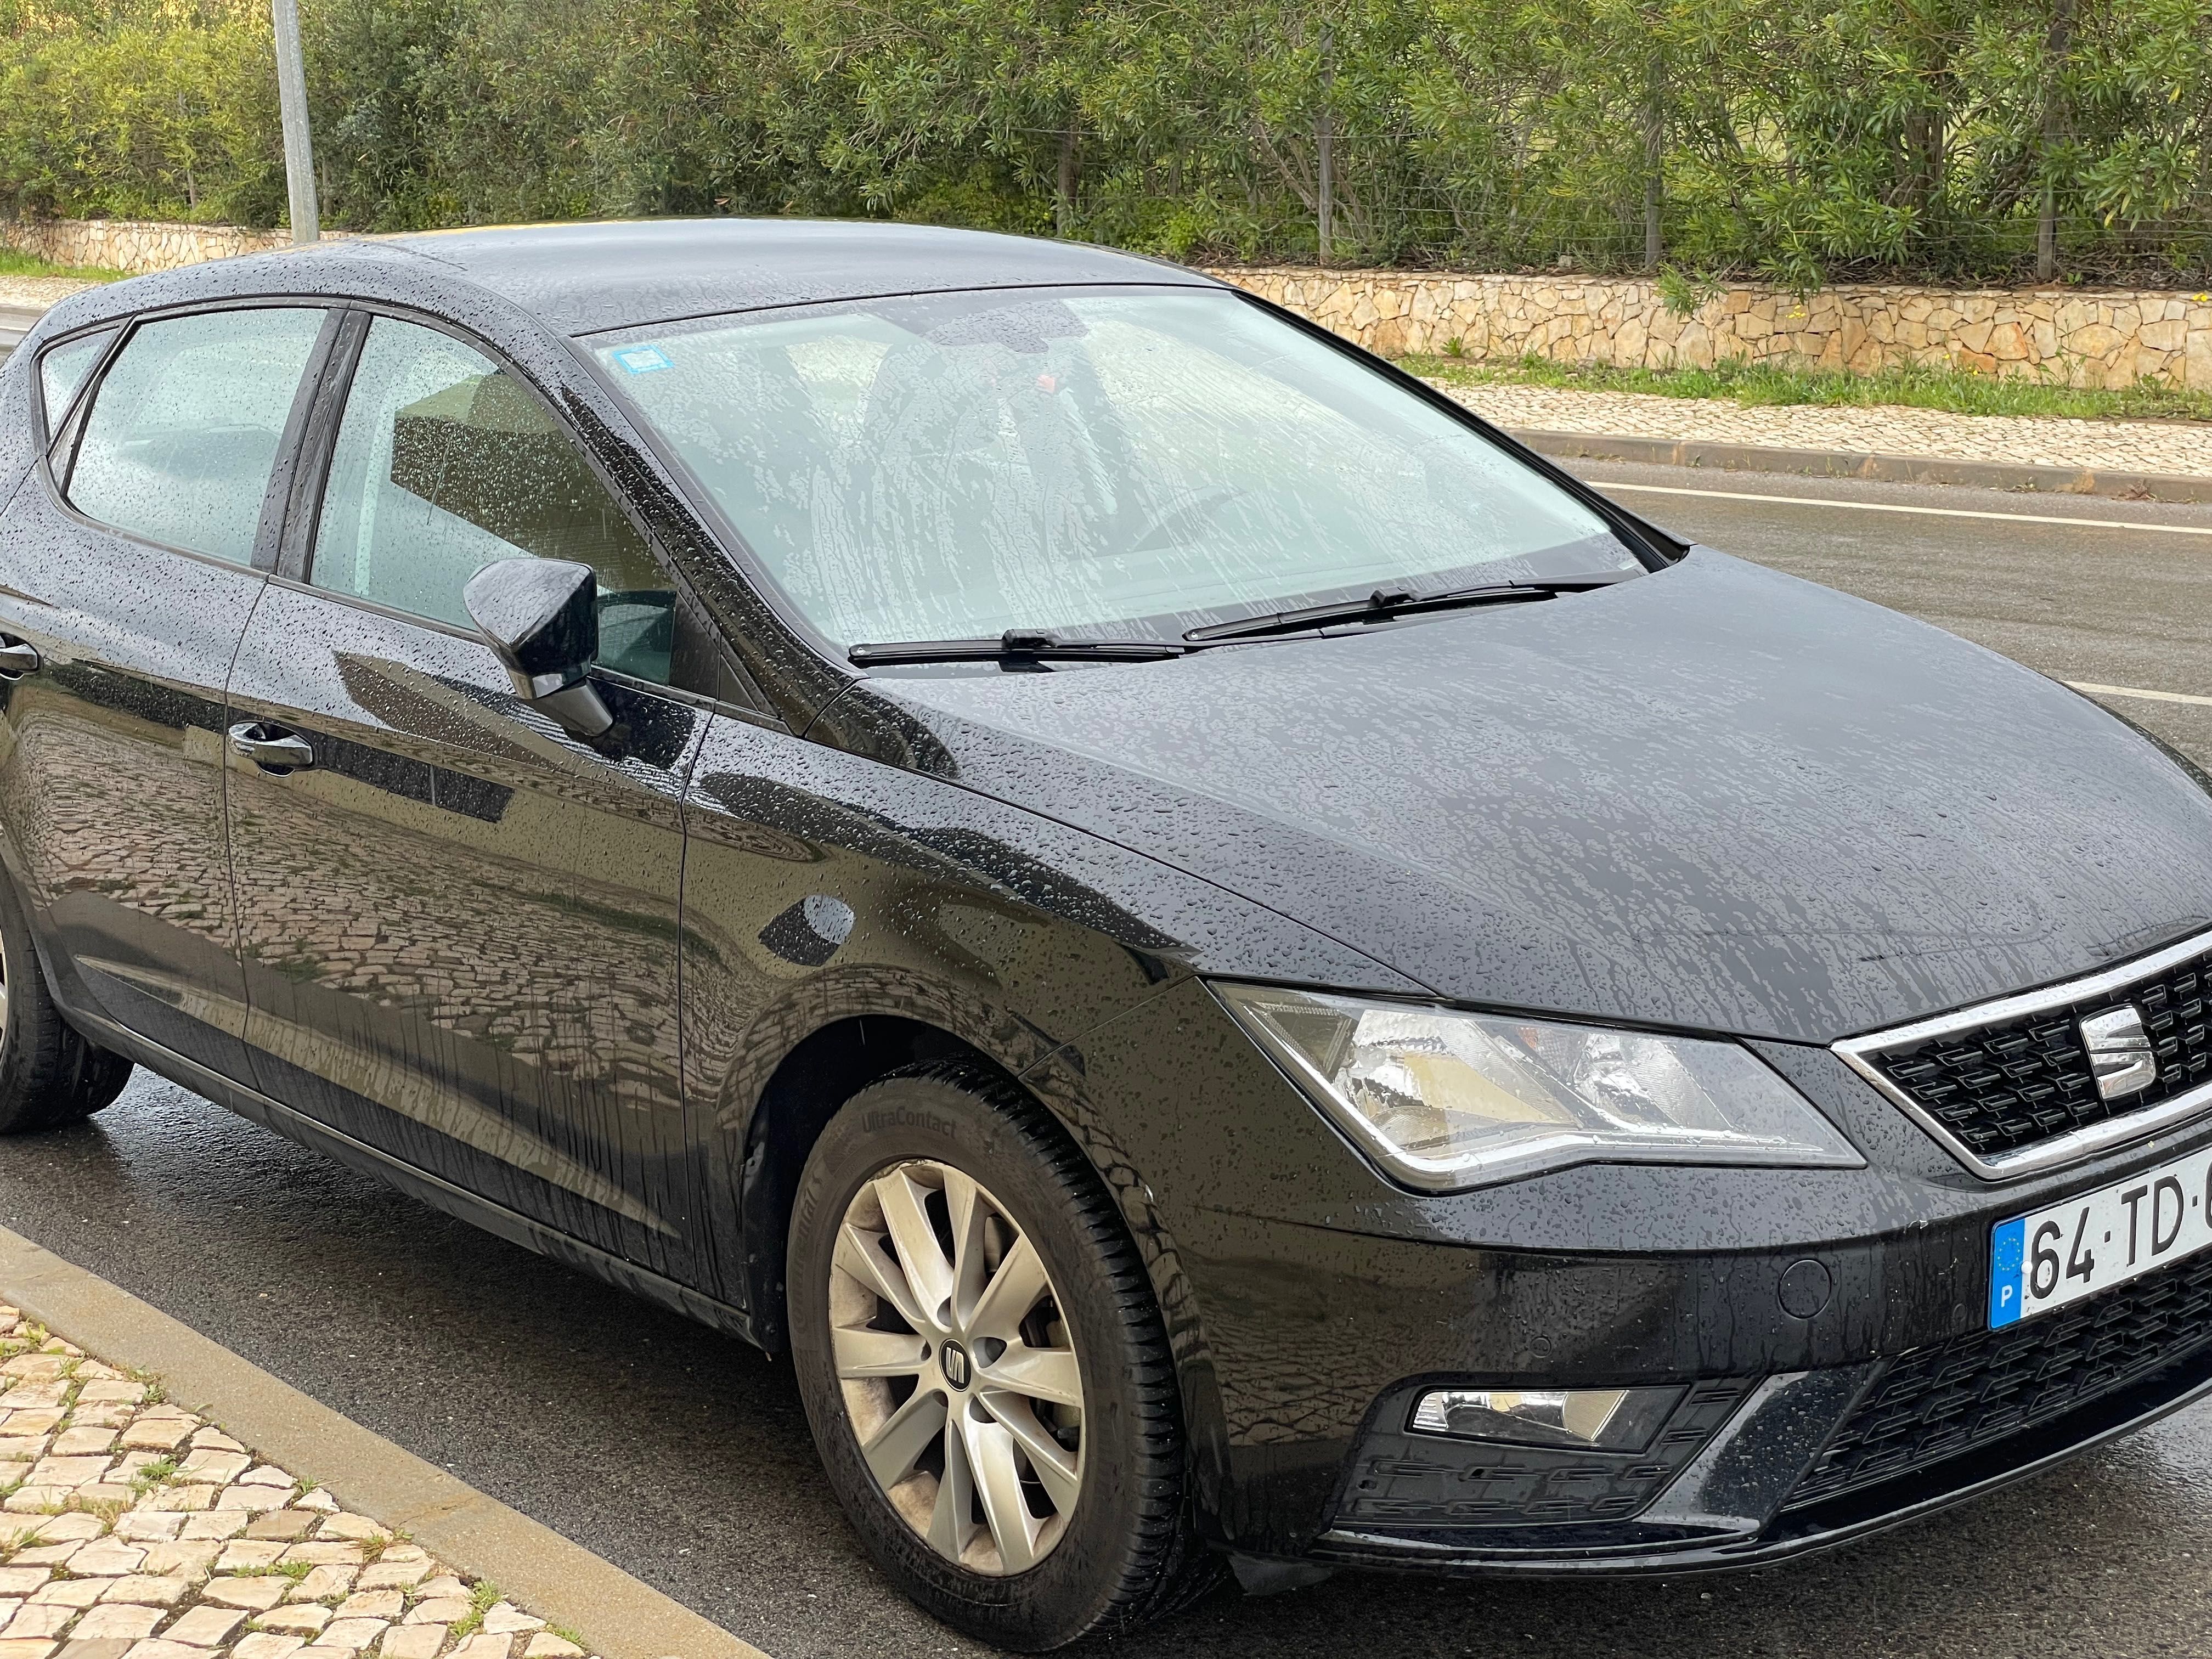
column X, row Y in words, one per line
column 186, row 426
column 62, row 373
column 444, row 463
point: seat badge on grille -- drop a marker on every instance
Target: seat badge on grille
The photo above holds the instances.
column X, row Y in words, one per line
column 2119, row 1052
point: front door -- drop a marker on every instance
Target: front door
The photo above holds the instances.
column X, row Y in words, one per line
column 129, row 573
column 459, row 923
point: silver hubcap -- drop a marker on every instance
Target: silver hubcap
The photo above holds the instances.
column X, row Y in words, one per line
column 956, row 1368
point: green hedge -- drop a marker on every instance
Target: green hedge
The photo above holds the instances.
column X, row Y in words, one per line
column 1803, row 140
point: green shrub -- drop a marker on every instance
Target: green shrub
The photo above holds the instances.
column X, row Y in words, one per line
column 1800, row 140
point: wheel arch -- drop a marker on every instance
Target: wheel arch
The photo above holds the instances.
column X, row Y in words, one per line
column 807, row 1088
column 779, row 1095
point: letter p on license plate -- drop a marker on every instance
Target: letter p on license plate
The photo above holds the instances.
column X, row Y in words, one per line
column 2093, row 1241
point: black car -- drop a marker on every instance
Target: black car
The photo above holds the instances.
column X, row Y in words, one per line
column 1237, row 968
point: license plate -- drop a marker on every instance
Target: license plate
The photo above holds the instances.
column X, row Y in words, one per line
column 2093, row 1241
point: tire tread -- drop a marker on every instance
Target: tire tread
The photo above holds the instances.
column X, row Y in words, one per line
column 1165, row 1567
column 1139, row 1558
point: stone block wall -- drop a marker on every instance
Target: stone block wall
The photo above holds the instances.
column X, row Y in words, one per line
column 2102, row 338
column 2108, row 337
column 136, row 245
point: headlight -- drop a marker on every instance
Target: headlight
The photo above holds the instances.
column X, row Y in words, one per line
column 1443, row 1100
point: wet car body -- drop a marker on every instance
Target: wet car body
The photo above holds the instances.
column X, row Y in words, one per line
column 1713, row 800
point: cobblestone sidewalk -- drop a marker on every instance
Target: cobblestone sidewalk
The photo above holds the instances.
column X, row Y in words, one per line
column 134, row 1530
column 37, row 293
column 1889, row 429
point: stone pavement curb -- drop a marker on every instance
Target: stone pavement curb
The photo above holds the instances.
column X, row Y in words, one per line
column 1846, row 463
column 622, row 1617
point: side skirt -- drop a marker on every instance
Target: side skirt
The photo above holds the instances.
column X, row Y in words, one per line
column 437, row 1192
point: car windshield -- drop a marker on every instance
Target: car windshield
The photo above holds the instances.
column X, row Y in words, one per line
column 1116, row 462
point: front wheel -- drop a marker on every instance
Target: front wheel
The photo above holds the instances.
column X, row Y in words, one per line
column 984, row 1368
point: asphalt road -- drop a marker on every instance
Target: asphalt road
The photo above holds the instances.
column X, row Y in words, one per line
column 683, row 1457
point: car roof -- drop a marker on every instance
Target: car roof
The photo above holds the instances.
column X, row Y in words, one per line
column 588, row 278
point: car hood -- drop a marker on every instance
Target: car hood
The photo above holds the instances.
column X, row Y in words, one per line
column 1715, row 797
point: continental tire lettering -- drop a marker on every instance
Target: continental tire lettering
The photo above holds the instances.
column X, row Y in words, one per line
column 903, row 1117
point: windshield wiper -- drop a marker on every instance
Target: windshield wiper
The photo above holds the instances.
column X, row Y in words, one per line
column 1015, row 644
column 1384, row 605
column 1035, row 645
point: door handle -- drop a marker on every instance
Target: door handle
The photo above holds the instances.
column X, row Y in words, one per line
column 18, row 658
column 271, row 748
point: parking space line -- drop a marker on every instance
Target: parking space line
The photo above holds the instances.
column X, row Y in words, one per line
column 2137, row 691
column 1898, row 507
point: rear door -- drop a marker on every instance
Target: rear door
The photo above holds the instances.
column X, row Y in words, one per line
column 459, row 923
column 128, row 570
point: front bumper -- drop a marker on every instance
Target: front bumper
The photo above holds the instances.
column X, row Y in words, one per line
column 1752, row 1469
column 1829, row 1327
column 1764, row 1487
column 1749, row 1470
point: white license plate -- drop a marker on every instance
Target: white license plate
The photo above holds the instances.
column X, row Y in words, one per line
column 2093, row 1241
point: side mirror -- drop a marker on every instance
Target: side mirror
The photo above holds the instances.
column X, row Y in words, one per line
column 541, row 618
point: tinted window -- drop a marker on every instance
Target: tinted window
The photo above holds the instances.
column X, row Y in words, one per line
column 185, row 427
column 445, row 463
column 62, row 373
column 954, row 465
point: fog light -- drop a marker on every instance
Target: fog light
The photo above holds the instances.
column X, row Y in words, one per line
column 1603, row 1420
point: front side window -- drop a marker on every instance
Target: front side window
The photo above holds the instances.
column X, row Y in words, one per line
column 951, row 467
column 63, row 371
column 185, row 427
column 445, row 463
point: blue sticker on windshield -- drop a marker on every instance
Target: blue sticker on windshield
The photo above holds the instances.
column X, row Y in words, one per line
column 643, row 360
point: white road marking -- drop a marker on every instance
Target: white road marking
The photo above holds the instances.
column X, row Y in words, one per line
column 2135, row 691
column 1959, row 513
column 1892, row 506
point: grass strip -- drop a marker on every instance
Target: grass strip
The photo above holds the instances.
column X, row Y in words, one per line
column 1954, row 391
column 14, row 262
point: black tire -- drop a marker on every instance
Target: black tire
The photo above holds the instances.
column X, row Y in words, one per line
column 1127, row 1553
column 50, row 1075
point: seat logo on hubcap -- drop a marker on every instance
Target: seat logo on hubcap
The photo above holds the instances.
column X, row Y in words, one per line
column 954, row 1360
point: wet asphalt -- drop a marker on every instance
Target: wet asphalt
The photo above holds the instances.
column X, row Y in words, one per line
column 682, row 1456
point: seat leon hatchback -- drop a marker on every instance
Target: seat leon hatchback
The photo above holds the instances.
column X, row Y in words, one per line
column 1245, row 975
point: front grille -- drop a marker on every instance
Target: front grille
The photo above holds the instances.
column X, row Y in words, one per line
column 1937, row 1401
column 2010, row 1085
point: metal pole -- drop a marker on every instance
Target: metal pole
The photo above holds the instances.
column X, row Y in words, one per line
column 292, row 104
column 1655, row 159
column 2057, row 44
column 1325, row 148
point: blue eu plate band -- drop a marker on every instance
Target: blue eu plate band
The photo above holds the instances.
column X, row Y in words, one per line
column 2008, row 1254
